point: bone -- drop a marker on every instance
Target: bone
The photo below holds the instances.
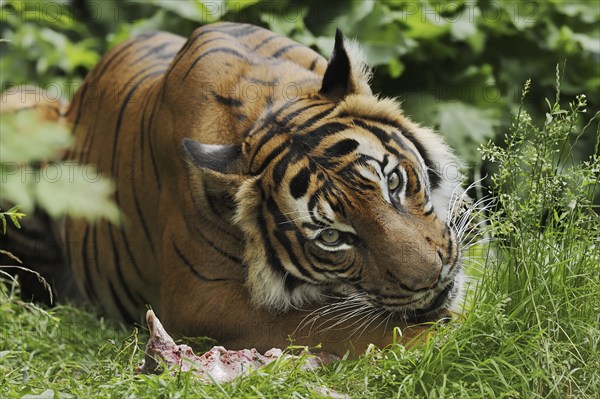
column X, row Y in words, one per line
column 218, row 365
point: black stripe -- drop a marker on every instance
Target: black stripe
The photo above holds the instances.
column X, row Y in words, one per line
column 228, row 101
column 151, row 50
column 196, row 229
column 117, row 264
column 191, row 266
column 313, row 138
column 283, row 226
column 225, row 50
column 96, row 131
column 142, row 133
column 284, row 50
column 274, row 82
column 150, row 145
column 315, row 119
column 381, row 134
column 111, row 58
column 313, row 64
column 322, row 260
column 358, row 182
column 208, row 198
column 218, row 29
column 265, row 41
column 341, row 148
column 144, row 224
column 274, row 128
column 291, row 282
column 122, row 111
column 133, row 189
column 240, row 30
column 312, row 226
column 84, row 154
column 277, row 128
column 287, row 119
column 84, row 89
column 204, row 43
column 417, row 182
column 433, row 177
column 125, row 316
column 335, row 266
column 431, row 173
column 299, row 183
column 198, row 214
column 282, row 165
column 312, row 204
column 183, row 52
column 88, row 282
column 269, row 158
column 95, row 241
column 224, row 28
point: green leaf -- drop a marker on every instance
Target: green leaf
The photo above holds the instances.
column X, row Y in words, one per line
column 464, row 25
column 48, row 394
column 285, row 24
column 15, row 220
column 395, row 68
column 345, row 15
column 464, row 126
column 586, row 11
column 239, row 5
column 196, row 10
column 59, row 188
column 422, row 26
column 27, row 138
column 79, row 191
column 11, row 255
column 16, row 185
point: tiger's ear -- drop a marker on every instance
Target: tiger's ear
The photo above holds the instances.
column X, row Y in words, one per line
column 346, row 72
column 223, row 159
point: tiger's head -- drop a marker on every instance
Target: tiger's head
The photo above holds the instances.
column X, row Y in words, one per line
column 339, row 194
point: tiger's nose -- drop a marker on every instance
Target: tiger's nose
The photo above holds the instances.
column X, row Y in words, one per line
column 421, row 282
column 427, row 268
column 415, row 267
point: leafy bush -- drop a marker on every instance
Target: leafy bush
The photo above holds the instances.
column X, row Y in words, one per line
column 60, row 188
column 458, row 65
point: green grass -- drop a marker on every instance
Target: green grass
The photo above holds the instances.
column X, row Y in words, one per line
column 533, row 330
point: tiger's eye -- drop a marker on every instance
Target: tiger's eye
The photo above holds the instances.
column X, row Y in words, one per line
column 393, row 181
column 330, row 236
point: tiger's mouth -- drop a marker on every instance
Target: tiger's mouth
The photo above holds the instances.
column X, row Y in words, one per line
column 440, row 300
column 418, row 310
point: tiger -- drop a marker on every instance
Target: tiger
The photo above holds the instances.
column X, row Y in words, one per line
column 267, row 195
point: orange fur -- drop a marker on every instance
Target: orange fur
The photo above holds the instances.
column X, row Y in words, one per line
column 129, row 119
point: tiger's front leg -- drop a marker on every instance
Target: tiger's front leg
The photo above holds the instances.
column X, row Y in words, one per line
column 225, row 313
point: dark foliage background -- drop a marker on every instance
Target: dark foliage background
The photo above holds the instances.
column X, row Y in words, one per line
column 457, row 65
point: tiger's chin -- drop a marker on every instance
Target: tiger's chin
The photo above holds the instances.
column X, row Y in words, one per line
column 433, row 308
column 438, row 309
